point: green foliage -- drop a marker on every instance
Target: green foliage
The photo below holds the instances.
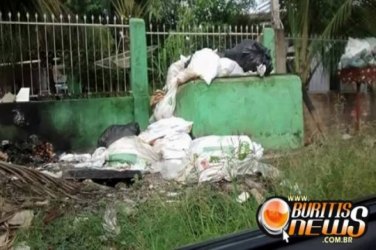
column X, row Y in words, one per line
column 203, row 12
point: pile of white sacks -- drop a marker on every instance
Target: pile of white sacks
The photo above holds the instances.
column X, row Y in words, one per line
column 166, row 145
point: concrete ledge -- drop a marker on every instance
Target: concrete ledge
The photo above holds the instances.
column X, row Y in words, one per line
column 269, row 110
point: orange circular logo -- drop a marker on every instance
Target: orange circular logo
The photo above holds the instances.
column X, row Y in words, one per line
column 274, row 215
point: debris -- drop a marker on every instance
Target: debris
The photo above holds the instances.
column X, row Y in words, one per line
column 204, row 64
column 5, row 241
column 215, row 158
column 228, row 67
column 131, row 153
column 110, row 221
column 35, row 182
column 243, row 197
column 8, row 97
column 102, row 176
column 3, row 156
column 156, row 97
column 33, row 151
column 346, row 137
column 115, row 132
column 21, row 219
column 51, row 215
column 75, row 157
column 165, row 127
column 23, row 95
column 166, row 107
column 174, row 149
column 251, row 56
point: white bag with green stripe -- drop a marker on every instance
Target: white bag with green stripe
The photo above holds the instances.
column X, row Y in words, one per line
column 131, row 153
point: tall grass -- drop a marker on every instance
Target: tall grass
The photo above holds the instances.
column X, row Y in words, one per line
column 336, row 169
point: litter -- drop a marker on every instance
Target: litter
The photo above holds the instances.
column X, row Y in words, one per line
column 166, row 107
column 215, row 158
column 243, row 197
column 21, row 219
column 115, row 132
column 75, row 158
column 110, row 224
column 228, row 67
column 204, row 64
column 23, row 95
column 359, row 53
column 131, row 153
column 7, row 98
column 251, row 56
column 165, row 127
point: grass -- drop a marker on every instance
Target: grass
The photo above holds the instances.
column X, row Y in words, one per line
column 336, row 169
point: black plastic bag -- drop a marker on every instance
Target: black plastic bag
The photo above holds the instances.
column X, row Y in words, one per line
column 249, row 54
column 115, row 132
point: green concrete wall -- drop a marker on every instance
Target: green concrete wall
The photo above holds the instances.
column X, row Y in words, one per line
column 269, row 109
column 70, row 124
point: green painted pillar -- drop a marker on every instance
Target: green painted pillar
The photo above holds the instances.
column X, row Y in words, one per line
column 139, row 74
column 268, row 40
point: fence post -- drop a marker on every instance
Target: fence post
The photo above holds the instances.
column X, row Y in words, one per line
column 139, row 74
column 268, row 40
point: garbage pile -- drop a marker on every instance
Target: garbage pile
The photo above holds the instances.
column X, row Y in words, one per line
column 32, row 151
column 166, row 147
column 359, row 53
column 247, row 58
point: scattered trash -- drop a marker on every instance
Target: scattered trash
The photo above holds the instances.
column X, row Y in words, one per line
column 23, row 95
column 102, row 176
column 204, row 64
column 251, row 56
column 215, row 158
column 75, row 157
column 115, row 132
column 166, row 107
column 7, row 98
column 346, row 137
column 33, row 151
column 110, row 221
column 243, row 197
column 131, row 153
column 228, row 67
column 21, row 219
column 359, row 53
column 165, row 127
column 3, row 156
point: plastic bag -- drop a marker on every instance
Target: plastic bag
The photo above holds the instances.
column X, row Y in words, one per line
column 173, row 72
column 131, row 153
column 228, row 67
column 173, row 146
column 218, row 158
column 165, row 127
column 166, row 107
column 115, row 132
column 251, row 56
column 204, row 64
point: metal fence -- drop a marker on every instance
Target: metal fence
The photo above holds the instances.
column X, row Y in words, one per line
column 66, row 54
column 89, row 56
column 168, row 44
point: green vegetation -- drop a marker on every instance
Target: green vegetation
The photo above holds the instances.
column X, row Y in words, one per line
column 336, row 169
